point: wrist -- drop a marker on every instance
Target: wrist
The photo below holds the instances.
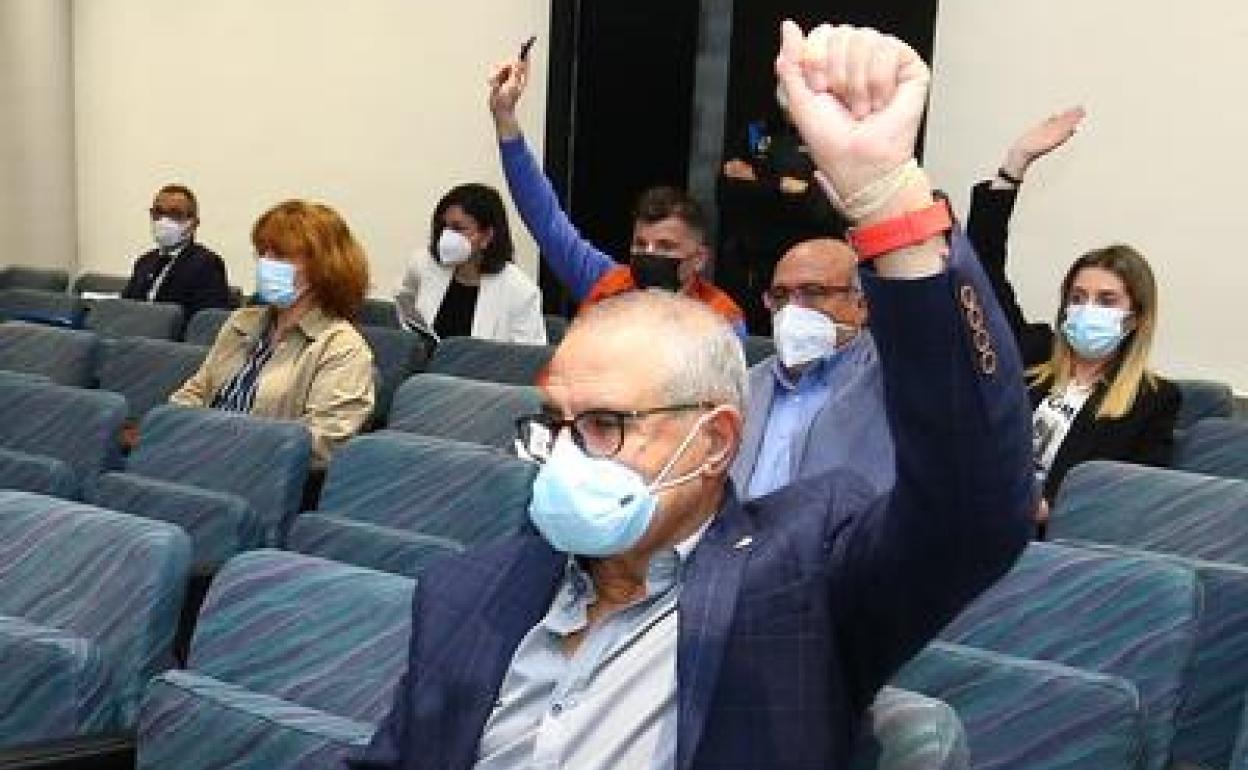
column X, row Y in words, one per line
column 915, row 195
column 506, row 125
column 1015, row 165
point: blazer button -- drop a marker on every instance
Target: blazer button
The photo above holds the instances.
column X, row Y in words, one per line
column 968, row 297
column 988, row 361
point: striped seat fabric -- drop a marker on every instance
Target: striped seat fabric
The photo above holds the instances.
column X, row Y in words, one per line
column 88, row 604
column 1021, row 713
column 44, row 307
column 38, row 278
column 1214, row 446
column 479, row 359
column 131, row 318
column 1129, row 616
column 253, row 470
column 910, row 731
column 203, row 327
column 294, row 662
column 146, row 371
column 462, row 409
column 1202, row 399
column 65, row 356
column 56, row 440
column 397, row 354
column 392, row 501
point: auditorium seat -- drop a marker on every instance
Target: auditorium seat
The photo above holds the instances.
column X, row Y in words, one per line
column 146, row 371
column 1038, row 715
column 462, row 409
column 88, row 604
column 758, row 348
column 1202, row 399
column 43, row 307
column 55, row 439
column 38, row 278
column 556, row 327
column 1153, row 509
column 1214, row 446
column 131, row 318
column 1130, row 616
column 232, row 481
column 203, row 327
column 397, row 354
column 910, row 731
column 380, row 313
column 100, row 284
column 65, row 356
column 293, row 663
column 488, row 360
column 394, row 501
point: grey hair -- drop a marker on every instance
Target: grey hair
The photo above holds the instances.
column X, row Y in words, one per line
column 705, row 360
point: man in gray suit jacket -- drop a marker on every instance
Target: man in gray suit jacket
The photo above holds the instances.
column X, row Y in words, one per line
column 824, row 379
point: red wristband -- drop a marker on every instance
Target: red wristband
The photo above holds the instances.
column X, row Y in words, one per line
column 909, row 229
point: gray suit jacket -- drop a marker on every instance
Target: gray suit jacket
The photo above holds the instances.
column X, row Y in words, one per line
column 851, row 426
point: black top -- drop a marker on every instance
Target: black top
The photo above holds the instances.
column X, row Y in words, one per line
column 196, row 279
column 456, row 311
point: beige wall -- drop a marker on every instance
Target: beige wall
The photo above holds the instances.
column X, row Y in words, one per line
column 375, row 107
column 37, row 220
column 1160, row 164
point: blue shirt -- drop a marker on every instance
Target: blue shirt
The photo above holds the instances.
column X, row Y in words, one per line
column 792, row 411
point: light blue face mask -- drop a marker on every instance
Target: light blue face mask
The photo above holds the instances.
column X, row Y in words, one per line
column 275, row 282
column 591, row 506
column 1095, row 331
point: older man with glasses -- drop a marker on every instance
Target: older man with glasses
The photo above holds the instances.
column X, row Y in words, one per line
column 818, row 403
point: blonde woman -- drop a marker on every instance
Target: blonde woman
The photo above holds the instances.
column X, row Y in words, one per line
column 1093, row 394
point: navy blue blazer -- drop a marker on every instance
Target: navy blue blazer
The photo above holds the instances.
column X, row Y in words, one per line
column 195, row 281
column 798, row 605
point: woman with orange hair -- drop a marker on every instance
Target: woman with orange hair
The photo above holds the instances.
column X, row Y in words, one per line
column 297, row 355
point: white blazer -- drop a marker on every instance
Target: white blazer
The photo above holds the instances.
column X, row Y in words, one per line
column 509, row 303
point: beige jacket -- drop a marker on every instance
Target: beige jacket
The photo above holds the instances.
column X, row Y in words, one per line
column 320, row 375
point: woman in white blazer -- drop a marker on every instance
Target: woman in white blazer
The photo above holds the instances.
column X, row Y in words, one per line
column 465, row 282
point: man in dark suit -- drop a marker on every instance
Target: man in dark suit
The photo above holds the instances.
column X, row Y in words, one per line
column 178, row 270
column 657, row 621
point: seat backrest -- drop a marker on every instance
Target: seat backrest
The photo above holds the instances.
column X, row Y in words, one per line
column 1216, row 446
column 39, row 278
column 65, row 356
column 1035, row 714
column 99, row 283
column 115, row 579
column 317, row 633
column 265, row 462
column 758, row 348
column 464, row 492
column 556, row 327
column 379, row 312
column 1153, row 509
column 488, row 360
column 1202, row 399
column 397, row 354
column 203, row 327
column 146, row 371
column 461, row 409
column 1116, row 614
column 55, row 308
column 131, row 318
column 910, row 731
column 75, row 425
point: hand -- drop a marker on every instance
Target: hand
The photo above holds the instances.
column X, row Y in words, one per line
column 740, row 170
column 507, row 85
column 857, row 97
column 793, row 186
column 1041, row 139
column 1042, row 512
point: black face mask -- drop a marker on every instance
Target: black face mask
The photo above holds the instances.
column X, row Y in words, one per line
column 655, row 271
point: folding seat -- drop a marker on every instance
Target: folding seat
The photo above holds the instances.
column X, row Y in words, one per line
column 203, row 327
column 42, row 307
column 478, row 359
column 1039, row 715
column 54, row 439
column 39, row 278
column 1130, row 616
column 462, row 409
column 293, row 664
column 99, row 285
column 397, row 354
column 65, row 356
column 1214, row 446
column 758, row 348
column 380, row 313
column 146, row 371
column 394, row 501
column 232, row 481
column 1203, row 399
column 131, row 318
column 556, row 327
column 88, row 603
column 910, row 731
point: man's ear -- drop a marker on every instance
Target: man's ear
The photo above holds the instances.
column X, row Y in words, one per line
column 723, row 431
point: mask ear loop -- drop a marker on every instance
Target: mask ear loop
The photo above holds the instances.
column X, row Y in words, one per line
column 658, row 485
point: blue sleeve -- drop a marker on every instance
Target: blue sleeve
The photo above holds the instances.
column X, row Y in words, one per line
column 738, row 326
column 960, row 511
column 576, row 262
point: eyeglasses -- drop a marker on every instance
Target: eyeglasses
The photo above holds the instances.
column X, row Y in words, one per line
column 177, row 216
column 806, row 294
column 598, row 432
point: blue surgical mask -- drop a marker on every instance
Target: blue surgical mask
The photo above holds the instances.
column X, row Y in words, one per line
column 1095, row 331
column 590, row 506
column 275, row 282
